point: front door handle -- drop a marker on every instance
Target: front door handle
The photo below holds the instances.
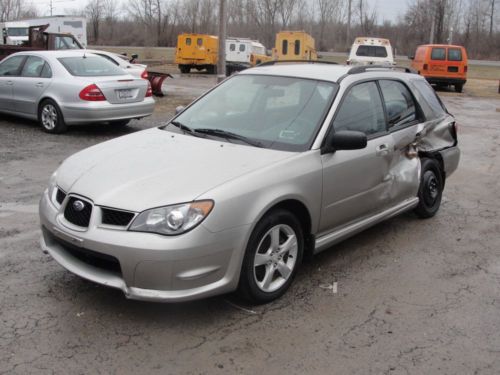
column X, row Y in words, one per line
column 382, row 150
column 9, row 83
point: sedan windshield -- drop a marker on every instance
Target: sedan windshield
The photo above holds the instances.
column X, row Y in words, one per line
column 275, row 112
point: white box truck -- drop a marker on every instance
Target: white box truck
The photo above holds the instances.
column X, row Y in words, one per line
column 77, row 26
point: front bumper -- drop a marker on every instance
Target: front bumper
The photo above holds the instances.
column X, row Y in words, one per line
column 91, row 112
column 151, row 267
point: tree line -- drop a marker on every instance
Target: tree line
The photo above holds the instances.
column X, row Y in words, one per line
column 333, row 23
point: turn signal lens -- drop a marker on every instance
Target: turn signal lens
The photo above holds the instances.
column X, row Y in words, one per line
column 92, row 93
column 144, row 74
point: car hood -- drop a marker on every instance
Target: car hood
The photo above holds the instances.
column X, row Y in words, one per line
column 155, row 168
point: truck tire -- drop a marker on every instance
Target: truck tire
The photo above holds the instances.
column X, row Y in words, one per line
column 211, row 69
column 184, row 69
column 459, row 87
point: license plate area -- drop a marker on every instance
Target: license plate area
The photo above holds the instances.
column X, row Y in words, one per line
column 453, row 69
column 125, row 94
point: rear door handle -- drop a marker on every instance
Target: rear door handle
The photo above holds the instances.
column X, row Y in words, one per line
column 39, row 84
column 382, row 150
column 9, row 83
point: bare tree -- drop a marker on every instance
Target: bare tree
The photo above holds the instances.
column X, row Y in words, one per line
column 94, row 11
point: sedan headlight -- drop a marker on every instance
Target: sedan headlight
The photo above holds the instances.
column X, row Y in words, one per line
column 52, row 185
column 172, row 220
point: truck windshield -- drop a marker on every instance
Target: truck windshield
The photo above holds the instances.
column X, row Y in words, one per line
column 90, row 66
column 282, row 113
column 17, row 31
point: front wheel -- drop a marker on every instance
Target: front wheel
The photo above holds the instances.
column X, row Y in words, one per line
column 430, row 191
column 50, row 117
column 272, row 257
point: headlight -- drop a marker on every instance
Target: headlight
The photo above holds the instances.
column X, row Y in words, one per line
column 52, row 186
column 172, row 220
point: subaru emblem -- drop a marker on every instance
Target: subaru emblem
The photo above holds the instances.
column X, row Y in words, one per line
column 78, row 205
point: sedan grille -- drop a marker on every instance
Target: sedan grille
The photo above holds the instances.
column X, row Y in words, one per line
column 78, row 212
column 116, row 217
column 60, row 195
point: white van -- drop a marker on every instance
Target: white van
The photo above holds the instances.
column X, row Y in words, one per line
column 14, row 33
column 371, row 51
column 239, row 53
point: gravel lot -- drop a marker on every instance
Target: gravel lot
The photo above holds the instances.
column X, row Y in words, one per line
column 413, row 296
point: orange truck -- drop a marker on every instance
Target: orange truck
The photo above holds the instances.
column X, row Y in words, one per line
column 294, row 45
column 197, row 51
column 442, row 64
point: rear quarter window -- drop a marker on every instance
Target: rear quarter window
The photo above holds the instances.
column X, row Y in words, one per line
column 427, row 92
column 454, row 54
column 90, row 66
column 438, row 54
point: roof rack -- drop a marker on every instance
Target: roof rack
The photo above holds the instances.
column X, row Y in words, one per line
column 273, row 62
column 365, row 68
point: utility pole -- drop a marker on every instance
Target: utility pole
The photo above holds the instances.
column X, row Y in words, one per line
column 433, row 24
column 349, row 14
column 221, row 64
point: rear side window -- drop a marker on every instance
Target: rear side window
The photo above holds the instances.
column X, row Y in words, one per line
column 399, row 105
column 33, row 67
column 284, row 47
column 12, row 66
column 438, row 54
column 199, row 42
column 297, row 47
column 454, row 54
column 90, row 66
column 232, row 47
column 361, row 110
column 430, row 96
column 371, row 51
column 242, row 48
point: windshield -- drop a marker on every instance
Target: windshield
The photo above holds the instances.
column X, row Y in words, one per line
column 276, row 112
column 371, row 51
column 17, row 31
column 90, row 66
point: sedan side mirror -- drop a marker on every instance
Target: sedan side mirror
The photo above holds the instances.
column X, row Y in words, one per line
column 179, row 109
column 346, row 140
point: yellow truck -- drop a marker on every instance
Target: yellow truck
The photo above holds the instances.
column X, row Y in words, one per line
column 294, row 45
column 197, row 51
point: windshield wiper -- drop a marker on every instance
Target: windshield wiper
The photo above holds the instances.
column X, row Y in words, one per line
column 185, row 128
column 228, row 135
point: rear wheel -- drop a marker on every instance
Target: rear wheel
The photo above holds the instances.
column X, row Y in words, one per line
column 459, row 87
column 184, row 69
column 50, row 117
column 272, row 257
column 431, row 189
column 211, row 69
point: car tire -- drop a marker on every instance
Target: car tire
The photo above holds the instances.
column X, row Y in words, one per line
column 120, row 123
column 430, row 191
column 273, row 255
column 50, row 117
column 459, row 87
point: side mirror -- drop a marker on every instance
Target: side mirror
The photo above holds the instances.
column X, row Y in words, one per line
column 179, row 109
column 346, row 140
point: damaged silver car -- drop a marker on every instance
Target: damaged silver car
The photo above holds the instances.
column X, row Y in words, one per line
column 274, row 163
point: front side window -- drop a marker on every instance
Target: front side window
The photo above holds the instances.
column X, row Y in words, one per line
column 89, row 66
column 361, row 110
column 399, row 105
column 284, row 47
column 11, row 66
column 278, row 112
column 438, row 54
column 188, row 41
column 454, row 54
column 232, row 47
column 33, row 67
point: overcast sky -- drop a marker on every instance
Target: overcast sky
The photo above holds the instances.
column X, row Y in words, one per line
column 386, row 9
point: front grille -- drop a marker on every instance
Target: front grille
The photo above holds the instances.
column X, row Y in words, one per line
column 60, row 195
column 91, row 257
column 115, row 217
column 81, row 217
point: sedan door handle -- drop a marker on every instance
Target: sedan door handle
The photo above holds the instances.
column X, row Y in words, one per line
column 39, row 84
column 9, row 83
column 382, row 150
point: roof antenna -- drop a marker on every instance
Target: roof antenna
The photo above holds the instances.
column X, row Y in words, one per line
column 84, row 51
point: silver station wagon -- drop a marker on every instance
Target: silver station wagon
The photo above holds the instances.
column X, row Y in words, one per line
column 71, row 87
column 275, row 162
